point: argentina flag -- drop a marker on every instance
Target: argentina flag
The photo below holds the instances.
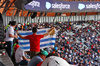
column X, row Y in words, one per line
column 47, row 41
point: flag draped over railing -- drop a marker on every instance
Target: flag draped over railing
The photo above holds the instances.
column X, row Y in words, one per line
column 47, row 41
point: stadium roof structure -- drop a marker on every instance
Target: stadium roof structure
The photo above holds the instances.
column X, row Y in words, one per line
column 8, row 7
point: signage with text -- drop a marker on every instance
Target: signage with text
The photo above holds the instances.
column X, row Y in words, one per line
column 62, row 6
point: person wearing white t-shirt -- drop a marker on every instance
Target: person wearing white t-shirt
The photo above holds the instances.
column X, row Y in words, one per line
column 20, row 57
column 19, row 25
column 10, row 37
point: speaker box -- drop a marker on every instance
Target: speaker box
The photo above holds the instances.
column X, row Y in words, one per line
column 34, row 15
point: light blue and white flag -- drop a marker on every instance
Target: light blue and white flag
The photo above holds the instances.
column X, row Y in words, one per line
column 47, row 41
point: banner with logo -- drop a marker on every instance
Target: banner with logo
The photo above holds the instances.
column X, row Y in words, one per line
column 62, row 6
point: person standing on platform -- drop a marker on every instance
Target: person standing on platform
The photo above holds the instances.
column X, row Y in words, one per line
column 10, row 37
column 35, row 41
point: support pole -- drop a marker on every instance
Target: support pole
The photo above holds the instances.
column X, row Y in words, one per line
column 70, row 16
column 85, row 15
column 40, row 16
column 55, row 16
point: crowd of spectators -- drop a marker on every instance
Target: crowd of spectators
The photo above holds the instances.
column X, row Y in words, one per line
column 96, row 25
column 76, row 42
column 82, row 48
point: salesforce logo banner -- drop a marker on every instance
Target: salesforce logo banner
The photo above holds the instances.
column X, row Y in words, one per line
column 89, row 6
column 95, row 6
column 62, row 6
column 56, row 5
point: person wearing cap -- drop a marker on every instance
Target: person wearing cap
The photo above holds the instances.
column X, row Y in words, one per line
column 20, row 57
column 35, row 40
column 50, row 54
column 39, row 58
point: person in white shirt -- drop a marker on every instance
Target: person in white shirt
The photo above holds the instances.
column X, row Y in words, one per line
column 20, row 57
column 10, row 37
column 19, row 25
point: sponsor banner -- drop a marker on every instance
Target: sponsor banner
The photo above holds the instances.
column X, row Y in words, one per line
column 62, row 6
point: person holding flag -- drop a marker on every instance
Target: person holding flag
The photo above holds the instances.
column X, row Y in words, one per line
column 35, row 40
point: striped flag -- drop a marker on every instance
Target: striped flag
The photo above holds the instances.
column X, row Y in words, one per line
column 47, row 41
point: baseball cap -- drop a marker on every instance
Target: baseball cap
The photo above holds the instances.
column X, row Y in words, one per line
column 55, row 61
column 44, row 52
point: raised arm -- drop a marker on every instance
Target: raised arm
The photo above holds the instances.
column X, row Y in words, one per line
column 20, row 35
column 48, row 33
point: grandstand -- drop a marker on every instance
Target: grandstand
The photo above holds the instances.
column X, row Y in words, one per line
column 78, row 29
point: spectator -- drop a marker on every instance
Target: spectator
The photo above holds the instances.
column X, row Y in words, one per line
column 20, row 57
column 35, row 41
column 51, row 54
column 39, row 58
column 9, row 38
